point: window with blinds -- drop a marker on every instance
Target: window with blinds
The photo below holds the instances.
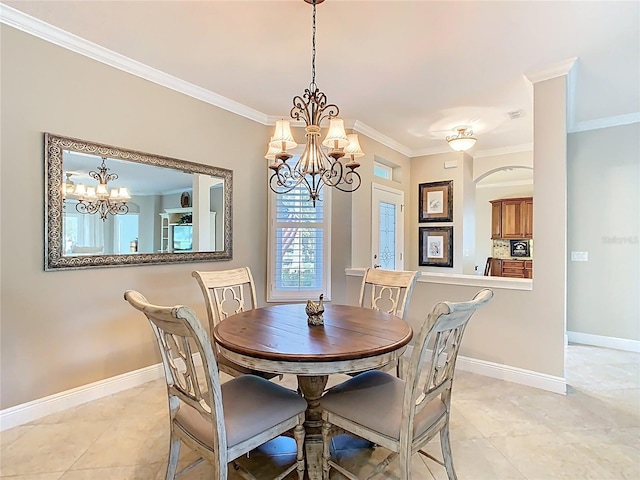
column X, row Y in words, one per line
column 299, row 236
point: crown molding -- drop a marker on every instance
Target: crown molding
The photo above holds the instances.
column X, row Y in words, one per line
column 28, row 24
column 364, row 129
column 552, row 71
column 431, row 151
column 38, row 28
column 607, row 122
column 566, row 67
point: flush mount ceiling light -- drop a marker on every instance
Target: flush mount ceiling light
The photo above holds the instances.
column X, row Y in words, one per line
column 463, row 140
column 315, row 167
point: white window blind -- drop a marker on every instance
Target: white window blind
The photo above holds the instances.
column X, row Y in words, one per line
column 299, row 238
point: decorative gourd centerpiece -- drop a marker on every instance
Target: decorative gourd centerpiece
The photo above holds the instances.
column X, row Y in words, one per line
column 314, row 311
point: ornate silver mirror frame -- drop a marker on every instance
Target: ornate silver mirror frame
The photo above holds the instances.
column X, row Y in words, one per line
column 56, row 257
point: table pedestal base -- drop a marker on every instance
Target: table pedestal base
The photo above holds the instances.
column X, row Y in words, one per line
column 312, row 388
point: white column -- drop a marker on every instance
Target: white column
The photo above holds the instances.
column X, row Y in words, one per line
column 202, row 241
column 550, row 100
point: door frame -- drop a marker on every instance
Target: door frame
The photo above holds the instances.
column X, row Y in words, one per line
column 377, row 192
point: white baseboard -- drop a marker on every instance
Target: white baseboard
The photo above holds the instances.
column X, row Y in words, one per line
column 602, row 341
column 508, row 373
column 513, row 374
column 30, row 411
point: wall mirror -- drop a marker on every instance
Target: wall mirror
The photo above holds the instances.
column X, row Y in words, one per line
column 108, row 206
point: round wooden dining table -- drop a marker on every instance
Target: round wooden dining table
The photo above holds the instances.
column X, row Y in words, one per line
column 278, row 339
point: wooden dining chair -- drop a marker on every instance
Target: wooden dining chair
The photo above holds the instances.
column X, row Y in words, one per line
column 404, row 415
column 487, row 267
column 388, row 291
column 220, row 422
column 227, row 292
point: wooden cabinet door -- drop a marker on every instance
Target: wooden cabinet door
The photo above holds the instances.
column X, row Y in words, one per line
column 512, row 219
column 496, row 220
column 513, row 268
column 527, row 218
column 528, row 269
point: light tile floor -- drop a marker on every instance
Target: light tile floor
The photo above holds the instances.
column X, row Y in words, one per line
column 499, row 430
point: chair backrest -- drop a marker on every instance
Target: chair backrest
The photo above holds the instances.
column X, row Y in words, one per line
column 180, row 335
column 387, row 290
column 487, row 267
column 439, row 338
column 226, row 292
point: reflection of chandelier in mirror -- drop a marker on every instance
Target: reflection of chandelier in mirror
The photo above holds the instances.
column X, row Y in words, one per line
column 68, row 187
column 92, row 200
column 463, row 140
column 315, row 167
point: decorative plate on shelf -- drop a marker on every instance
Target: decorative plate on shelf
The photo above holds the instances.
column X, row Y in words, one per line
column 185, row 200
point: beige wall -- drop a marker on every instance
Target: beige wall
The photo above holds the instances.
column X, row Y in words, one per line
column 69, row 328
column 604, row 220
column 523, row 329
column 65, row 329
column 431, row 168
column 510, row 331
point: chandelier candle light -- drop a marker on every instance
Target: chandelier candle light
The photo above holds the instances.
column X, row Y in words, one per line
column 92, row 200
column 315, row 168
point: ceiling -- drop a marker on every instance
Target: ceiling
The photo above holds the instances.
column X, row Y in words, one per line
column 135, row 176
column 403, row 72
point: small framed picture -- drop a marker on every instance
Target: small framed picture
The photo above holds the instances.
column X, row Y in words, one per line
column 436, row 246
column 519, row 248
column 435, row 202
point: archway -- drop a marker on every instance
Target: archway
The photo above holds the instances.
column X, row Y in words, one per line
column 507, row 181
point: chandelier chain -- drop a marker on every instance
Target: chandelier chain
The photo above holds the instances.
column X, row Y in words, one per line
column 315, row 168
column 313, row 49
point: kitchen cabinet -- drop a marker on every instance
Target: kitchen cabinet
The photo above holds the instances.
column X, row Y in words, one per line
column 169, row 219
column 496, row 219
column 528, row 269
column 511, row 268
column 527, row 218
column 496, row 267
column 176, row 231
column 512, row 218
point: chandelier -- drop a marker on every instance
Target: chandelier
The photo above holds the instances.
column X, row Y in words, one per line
column 316, row 167
column 68, row 187
column 92, row 200
column 463, row 140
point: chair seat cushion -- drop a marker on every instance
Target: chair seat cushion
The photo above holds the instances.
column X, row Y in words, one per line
column 251, row 406
column 231, row 368
column 374, row 400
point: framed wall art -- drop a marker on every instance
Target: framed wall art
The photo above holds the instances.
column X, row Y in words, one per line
column 519, row 248
column 436, row 247
column 435, row 202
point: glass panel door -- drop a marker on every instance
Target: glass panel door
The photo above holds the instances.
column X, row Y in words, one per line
column 387, row 236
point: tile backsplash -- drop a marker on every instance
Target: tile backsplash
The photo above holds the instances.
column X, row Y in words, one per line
column 501, row 249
